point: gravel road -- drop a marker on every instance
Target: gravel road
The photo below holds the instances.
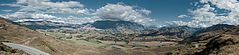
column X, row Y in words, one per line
column 27, row 49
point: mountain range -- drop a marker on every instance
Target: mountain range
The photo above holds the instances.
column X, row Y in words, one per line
column 20, row 34
column 103, row 24
column 220, row 39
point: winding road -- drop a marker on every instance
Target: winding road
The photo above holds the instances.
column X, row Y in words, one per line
column 29, row 50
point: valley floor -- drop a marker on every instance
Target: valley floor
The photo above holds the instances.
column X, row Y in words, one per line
column 121, row 48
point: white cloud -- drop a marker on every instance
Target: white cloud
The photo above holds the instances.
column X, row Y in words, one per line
column 11, row 5
column 77, row 11
column 24, row 20
column 45, row 6
column 62, row 4
column 25, row 15
column 30, row 1
column 44, row 9
column 123, row 12
column 74, row 12
column 17, row 15
column 144, row 11
column 77, row 20
column 183, row 16
column 7, row 10
column 46, row 16
column 47, row 3
column 205, row 16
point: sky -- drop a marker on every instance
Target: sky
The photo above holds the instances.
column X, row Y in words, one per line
column 193, row 13
column 161, row 9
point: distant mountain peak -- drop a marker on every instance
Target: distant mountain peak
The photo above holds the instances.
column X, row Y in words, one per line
column 108, row 24
column 216, row 27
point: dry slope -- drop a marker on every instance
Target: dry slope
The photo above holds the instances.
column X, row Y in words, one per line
column 12, row 32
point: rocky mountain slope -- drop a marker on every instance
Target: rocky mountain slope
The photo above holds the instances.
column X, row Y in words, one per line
column 19, row 34
column 14, row 33
column 210, row 31
column 215, row 40
column 178, row 31
column 220, row 42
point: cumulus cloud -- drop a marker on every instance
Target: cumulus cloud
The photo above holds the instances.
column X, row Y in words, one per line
column 45, row 10
column 47, row 3
column 45, row 6
column 123, row 12
column 206, row 16
column 74, row 12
